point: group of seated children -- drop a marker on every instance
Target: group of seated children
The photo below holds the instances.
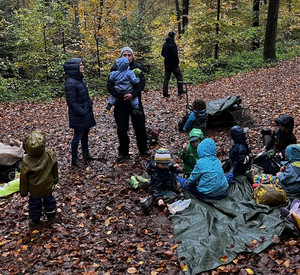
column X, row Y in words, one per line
column 204, row 175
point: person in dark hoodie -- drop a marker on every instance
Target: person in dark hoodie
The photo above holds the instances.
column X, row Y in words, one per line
column 39, row 173
column 170, row 53
column 282, row 136
column 123, row 110
column 81, row 116
column 239, row 153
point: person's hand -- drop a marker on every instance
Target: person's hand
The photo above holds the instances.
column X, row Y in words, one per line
column 160, row 202
column 282, row 168
column 128, row 97
column 176, row 165
column 277, row 175
column 184, row 146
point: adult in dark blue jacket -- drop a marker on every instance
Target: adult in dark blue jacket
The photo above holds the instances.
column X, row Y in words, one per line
column 170, row 53
column 123, row 110
column 81, row 117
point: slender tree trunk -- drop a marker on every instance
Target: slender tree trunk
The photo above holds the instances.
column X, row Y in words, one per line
column 217, row 30
column 45, row 50
column 178, row 14
column 271, row 29
column 185, row 14
column 255, row 40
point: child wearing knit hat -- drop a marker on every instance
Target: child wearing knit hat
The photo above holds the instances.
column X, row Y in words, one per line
column 164, row 176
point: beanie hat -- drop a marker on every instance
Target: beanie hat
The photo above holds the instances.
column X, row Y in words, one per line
column 162, row 155
column 196, row 134
column 126, row 49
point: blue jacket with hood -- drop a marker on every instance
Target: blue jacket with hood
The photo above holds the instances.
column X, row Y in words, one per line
column 208, row 175
column 239, row 153
column 124, row 78
column 79, row 102
column 290, row 178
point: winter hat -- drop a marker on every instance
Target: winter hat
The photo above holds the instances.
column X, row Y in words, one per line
column 126, row 49
column 162, row 155
column 196, row 134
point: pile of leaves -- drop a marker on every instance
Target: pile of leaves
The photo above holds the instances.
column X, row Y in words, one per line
column 100, row 226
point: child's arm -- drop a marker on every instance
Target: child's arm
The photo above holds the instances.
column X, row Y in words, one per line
column 189, row 122
column 133, row 78
column 194, row 176
column 24, row 182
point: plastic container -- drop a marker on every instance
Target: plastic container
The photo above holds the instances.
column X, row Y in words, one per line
column 179, row 206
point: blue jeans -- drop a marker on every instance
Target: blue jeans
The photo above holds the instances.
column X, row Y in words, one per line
column 36, row 207
column 195, row 191
column 83, row 136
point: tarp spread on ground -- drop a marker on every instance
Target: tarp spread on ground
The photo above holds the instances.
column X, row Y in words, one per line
column 214, row 232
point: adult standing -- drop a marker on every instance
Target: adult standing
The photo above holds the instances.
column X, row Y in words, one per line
column 81, row 117
column 123, row 110
column 170, row 53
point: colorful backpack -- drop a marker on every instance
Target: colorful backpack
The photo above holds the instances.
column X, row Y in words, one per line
column 270, row 194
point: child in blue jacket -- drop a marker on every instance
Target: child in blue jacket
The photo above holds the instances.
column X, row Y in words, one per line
column 198, row 118
column 239, row 153
column 289, row 177
column 207, row 179
column 124, row 79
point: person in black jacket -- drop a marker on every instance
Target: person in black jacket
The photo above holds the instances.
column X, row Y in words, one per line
column 123, row 110
column 282, row 136
column 170, row 53
column 81, row 116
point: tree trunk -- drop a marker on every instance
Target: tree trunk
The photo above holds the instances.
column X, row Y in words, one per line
column 271, row 29
column 217, row 30
column 255, row 40
column 178, row 14
column 185, row 14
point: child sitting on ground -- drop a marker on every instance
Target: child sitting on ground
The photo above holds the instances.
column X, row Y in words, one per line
column 207, row 180
column 282, row 136
column 289, row 175
column 163, row 175
column 188, row 153
column 39, row 173
column 239, row 154
column 198, row 117
column 124, row 78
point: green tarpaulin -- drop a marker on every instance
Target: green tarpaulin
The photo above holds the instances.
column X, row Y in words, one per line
column 210, row 231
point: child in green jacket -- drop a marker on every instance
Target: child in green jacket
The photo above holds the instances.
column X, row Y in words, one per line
column 188, row 153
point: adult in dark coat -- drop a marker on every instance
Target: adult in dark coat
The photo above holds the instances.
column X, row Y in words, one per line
column 170, row 53
column 123, row 110
column 81, row 117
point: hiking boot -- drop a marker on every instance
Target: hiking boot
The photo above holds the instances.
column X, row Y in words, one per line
column 74, row 162
column 181, row 92
column 166, row 95
column 89, row 157
column 34, row 223
column 122, row 157
column 145, row 153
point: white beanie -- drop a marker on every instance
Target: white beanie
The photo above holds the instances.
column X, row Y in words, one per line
column 126, row 49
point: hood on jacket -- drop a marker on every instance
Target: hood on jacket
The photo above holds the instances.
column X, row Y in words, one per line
column 122, row 64
column 169, row 40
column 293, row 152
column 34, row 144
column 206, row 148
column 238, row 134
column 286, row 121
column 195, row 134
column 71, row 67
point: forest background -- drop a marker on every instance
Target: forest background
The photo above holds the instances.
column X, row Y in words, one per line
column 215, row 39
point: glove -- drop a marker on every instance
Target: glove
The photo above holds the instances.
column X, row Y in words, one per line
column 137, row 71
column 230, row 177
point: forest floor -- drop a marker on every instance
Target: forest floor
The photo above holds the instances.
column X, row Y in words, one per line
column 100, row 227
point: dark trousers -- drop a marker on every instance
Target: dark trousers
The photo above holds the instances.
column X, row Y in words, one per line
column 83, row 136
column 121, row 114
column 177, row 74
column 36, row 207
